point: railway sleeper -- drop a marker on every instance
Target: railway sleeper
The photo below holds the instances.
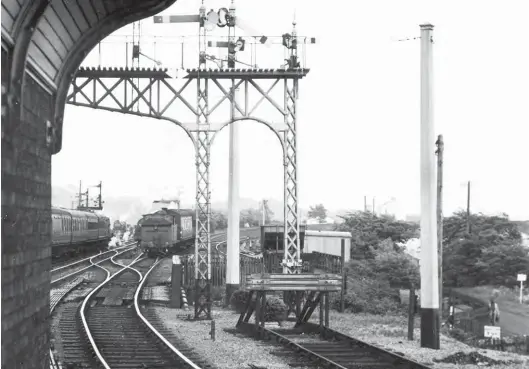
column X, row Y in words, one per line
column 189, row 352
column 331, row 351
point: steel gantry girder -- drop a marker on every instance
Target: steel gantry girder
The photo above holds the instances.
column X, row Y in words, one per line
column 152, row 93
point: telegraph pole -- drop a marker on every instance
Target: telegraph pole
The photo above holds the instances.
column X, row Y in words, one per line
column 365, row 204
column 439, row 152
column 429, row 267
column 468, row 207
column 232, row 246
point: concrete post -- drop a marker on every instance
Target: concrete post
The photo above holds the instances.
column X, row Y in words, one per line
column 429, row 262
column 176, row 283
column 232, row 246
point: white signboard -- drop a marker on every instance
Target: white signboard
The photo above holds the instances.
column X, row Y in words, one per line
column 492, row 332
column 176, row 259
column 522, row 277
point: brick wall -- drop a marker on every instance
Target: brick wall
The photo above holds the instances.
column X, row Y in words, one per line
column 26, row 226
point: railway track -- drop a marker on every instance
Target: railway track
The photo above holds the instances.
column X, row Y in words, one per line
column 63, row 272
column 65, row 300
column 251, row 233
column 118, row 333
column 312, row 346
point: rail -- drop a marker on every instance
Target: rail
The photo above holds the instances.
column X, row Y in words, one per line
column 53, row 363
column 154, row 330
column 83, row 307
column 92, row 264
column 299, row 348
column 376, row 353
column 127, row 244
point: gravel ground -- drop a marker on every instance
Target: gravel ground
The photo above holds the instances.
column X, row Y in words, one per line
column 228, row 350
column 389, row 332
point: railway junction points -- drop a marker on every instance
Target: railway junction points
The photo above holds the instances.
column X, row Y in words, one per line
column 125, row 309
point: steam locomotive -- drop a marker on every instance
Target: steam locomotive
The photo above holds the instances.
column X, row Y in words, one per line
column 75, row 231
column 167, row 231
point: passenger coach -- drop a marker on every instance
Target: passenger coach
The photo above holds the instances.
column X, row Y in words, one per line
column 75, row 231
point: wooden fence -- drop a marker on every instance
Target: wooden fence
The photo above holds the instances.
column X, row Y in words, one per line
column 470, row 323
column 269, row 263
column 218, row 269
column 475, row 320
column 326, row 262
column 517, row 344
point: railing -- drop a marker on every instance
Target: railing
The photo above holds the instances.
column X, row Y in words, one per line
column 326, row 262
column 474, row 321
column 312, row 262
column 248, row 265
column 269, row 263
column 470, row 323
column 517, row 344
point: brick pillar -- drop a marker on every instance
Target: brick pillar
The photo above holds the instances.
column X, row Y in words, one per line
column 26, row 226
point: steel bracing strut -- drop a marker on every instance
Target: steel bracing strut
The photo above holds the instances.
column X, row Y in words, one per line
column 203, row 241
column 120, row 90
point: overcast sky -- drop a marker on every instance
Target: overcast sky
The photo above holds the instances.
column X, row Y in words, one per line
column 358, row 109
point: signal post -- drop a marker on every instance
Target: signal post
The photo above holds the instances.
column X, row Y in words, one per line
column 148, row 85
column 233, row 242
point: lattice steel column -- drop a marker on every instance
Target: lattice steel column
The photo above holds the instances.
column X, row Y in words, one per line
column 202, row 242
column 292, row 260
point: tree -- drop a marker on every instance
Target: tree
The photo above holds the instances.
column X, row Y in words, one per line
column 218, row 220
column 250, row 216
column 394, row 265
column 377, row 259
column 368, row 230
column 269, row 214
column 454, row 227
column 318, row 212
column 491, row 254
column 370, row 288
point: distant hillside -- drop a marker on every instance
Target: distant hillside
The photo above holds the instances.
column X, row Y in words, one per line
column 130, row 209
column 246, row 203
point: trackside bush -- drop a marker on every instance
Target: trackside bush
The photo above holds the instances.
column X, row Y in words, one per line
column 276, row 310
column 238, row 300
column 218, row 293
